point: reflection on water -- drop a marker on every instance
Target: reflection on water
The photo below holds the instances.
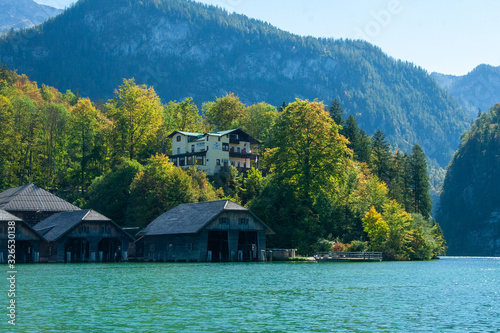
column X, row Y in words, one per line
column 452, row 294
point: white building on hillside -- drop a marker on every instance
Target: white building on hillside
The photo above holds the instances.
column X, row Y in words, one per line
column 210, row 152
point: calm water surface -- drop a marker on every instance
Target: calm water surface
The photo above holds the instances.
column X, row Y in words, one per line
column 448, row 295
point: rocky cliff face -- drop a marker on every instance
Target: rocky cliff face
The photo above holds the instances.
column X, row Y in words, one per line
column 184, row 49
column 18, row 14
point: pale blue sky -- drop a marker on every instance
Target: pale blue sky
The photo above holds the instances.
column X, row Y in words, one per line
column 446, row 36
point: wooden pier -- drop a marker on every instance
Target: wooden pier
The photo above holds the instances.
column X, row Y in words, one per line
column 348, row 256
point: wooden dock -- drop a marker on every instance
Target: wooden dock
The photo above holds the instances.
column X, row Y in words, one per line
column 348, row 256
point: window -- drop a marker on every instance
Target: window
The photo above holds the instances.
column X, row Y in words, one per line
column 217, row 162
column 223, row 220
column 192, row 148
column 174, row 161
column 178, row 151
column 189, row 246
column 178, row 138
column 243, row 221
column 219, row 138
column 239, row 164
column 207, row 138
column 181, row 161
column 199, row 160
column 225, row 146
column 189, row 160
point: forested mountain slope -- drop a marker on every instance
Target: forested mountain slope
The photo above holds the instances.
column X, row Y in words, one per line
column 16, row 14
column 470, row 203
column 183, row 48
column 478, row 90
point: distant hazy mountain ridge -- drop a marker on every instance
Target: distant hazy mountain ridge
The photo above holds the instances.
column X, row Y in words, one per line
column 184, row 49
column 478, row 90
column 17, row 14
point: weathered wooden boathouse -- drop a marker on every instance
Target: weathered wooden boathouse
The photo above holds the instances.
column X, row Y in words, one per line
column 205, row 231
column 26, row 241
column 82, row 236
column 33, row 204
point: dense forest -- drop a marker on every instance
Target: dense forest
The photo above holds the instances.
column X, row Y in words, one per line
column 187, row 49
column 477, row 91
column 328, row 183
column 470, row 210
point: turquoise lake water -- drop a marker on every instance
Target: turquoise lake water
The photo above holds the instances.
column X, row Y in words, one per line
column 447, row 295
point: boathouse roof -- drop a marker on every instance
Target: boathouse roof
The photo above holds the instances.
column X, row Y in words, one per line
column 31, row 198
column 191, row 218
column 6, row 216
column 57, row 225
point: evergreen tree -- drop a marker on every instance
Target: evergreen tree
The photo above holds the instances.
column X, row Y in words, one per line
column 380, row 157
column 336, row 112
column 351, row 132
column 363, row 150
column 419, row 182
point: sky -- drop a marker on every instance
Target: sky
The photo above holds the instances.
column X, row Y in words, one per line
column 445, row 36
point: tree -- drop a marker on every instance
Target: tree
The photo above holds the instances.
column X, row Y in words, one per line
column 185, row 115
column 376, row 228
column 380, row 157
column 336, row 112
column 110, row 194
column 310, row 153
column 225, row 113
column 136, row 114
column 85, row 128
column 419, row 182
column 54, row 121
column 397, row 246
column 258, row 120
column 251, row 185
column 159, row 187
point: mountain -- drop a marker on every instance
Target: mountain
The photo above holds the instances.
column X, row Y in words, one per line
column 18, row 14
column 469, row 212
column 478, row 90
column 184, row 48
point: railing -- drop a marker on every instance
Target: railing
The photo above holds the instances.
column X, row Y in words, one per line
column 349, row 256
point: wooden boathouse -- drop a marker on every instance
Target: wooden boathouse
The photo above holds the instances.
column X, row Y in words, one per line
column 33, row 204
column 82, row 236
column 205, row 231
column 27, row 241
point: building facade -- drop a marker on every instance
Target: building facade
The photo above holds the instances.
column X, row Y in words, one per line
column 210, row 152
column 24, row 241
column 82, row 236
column 205, row 231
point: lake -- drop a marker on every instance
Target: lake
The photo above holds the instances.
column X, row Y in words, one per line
column 447, row 295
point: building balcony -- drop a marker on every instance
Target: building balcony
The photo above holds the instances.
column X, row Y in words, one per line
column 243, row 154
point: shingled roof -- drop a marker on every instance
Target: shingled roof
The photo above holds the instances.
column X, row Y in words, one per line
column 57, row 225
column 6, row 216
column 191, row 218
column 31, row 198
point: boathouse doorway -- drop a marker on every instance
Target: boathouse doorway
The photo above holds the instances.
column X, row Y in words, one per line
column 24, row 252
column 247, row 244
column 109, row 250
column 76, row 250
column 218, row 245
